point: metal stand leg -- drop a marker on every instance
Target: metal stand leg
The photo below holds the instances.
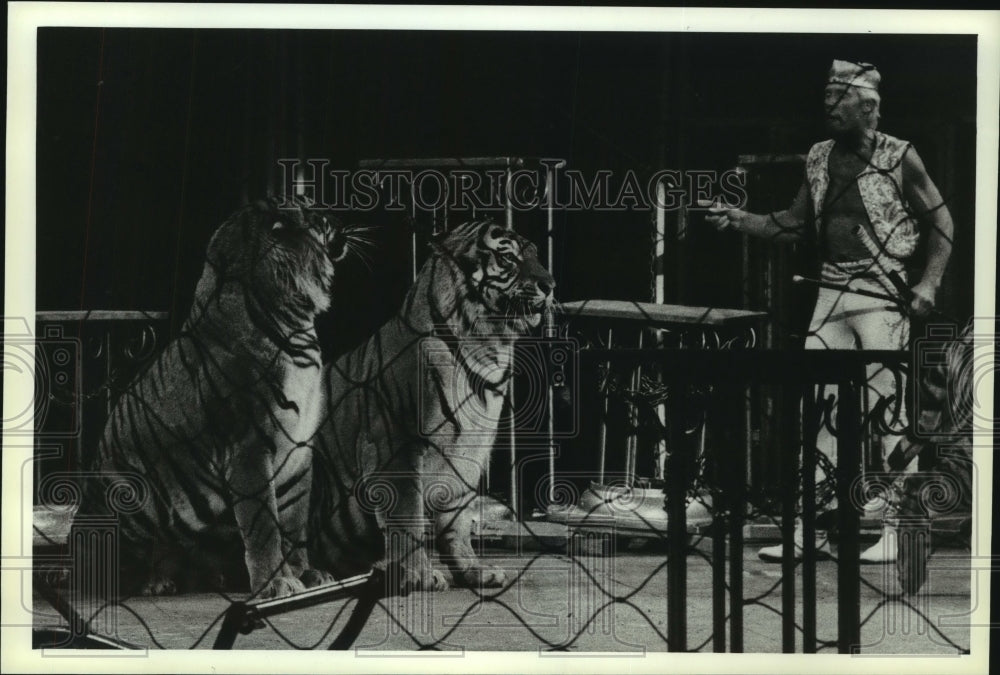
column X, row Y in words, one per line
column 370, row 595
column 245, row 617
column 848, row 568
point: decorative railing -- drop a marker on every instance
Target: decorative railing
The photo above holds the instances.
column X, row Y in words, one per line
column 83, row 362
column 679, row 389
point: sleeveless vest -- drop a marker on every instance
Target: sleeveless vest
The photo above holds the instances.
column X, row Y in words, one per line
column 881, row 188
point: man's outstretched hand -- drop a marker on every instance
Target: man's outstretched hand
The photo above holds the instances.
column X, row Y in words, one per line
column 721, row 217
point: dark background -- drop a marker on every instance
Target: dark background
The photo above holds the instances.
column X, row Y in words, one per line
column 149, row 138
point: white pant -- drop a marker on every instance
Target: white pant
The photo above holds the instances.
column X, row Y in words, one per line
column 844, row 320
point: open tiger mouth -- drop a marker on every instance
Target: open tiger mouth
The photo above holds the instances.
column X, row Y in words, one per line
column 534, row 312
column 524, row 309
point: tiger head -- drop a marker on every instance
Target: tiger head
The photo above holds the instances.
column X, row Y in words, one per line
column 502, row 285
column 281, row 255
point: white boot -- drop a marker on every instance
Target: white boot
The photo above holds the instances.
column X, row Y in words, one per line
column 875, row 508
column 883, row 551
column 776, row 553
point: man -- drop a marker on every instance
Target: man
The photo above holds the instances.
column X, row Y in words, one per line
column 867, row 194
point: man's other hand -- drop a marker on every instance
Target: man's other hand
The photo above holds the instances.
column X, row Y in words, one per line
column 924, row 294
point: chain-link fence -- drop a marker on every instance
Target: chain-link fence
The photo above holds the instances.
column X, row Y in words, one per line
column 596, row 475
column 695, row 534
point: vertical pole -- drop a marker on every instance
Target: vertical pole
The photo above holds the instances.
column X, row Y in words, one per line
column 413, row 235
column 632, row 445
column 722, row 413
column 91, row 367
column 747, row 304
column 810, row 428
column 300, row 111
column 445, row 210
column 512, row 437
column 659, row 248
column 508, row 206
column 789, row 478
column 551, row 331
column 660, row 291
column 848, row 465
column 868, row 449
column 602, row 443
column 677, row 524
column 108, row 369
column 515, row 504
column 737, row 509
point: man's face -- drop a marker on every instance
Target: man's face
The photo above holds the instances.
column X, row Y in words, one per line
column 844, row 109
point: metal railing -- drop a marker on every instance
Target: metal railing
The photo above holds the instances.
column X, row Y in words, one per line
column 727, row 376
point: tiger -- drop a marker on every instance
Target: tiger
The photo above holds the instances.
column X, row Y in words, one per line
column 219, row 425
column 414, row 411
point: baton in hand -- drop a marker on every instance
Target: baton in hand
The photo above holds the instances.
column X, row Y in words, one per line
column 844, row 288
column 902, row 300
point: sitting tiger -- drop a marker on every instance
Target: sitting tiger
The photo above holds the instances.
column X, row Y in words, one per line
column 414, row 411
column 220, row 424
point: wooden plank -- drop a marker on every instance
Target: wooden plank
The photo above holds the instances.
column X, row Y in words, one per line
column 650, row 313
column 100, row 315
column 769, row 160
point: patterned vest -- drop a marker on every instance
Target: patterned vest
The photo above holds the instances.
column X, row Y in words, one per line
column 881, row 188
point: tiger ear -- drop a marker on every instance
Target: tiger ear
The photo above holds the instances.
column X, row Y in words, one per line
column 278, row 226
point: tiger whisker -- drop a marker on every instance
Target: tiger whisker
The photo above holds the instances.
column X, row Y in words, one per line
column 364, row 250
column 359, row 234
column 358, row 247
column 361, row 255
column 359, row 239
column 360, row 229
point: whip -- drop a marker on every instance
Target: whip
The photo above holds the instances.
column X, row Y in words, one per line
column 902, row 300
column 844, row 288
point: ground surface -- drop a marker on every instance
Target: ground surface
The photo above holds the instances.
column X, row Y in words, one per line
column 558, row 601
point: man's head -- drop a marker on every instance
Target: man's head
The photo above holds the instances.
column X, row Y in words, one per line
column 851, row 98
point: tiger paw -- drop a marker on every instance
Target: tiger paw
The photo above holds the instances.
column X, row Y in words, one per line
column 311, row 578
column 406, row 579
column 483, row 577
column 159, row 586
column 279, row 587
column 425, row 579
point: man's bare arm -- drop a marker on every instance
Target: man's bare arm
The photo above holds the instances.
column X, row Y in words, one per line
column 783, row 226
column 927, row 205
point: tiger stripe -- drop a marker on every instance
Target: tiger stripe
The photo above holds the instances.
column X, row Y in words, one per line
column 220, row 425
column 388, row 429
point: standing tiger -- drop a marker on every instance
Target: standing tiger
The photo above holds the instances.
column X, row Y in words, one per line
column 220, row 425
column 414, row 411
